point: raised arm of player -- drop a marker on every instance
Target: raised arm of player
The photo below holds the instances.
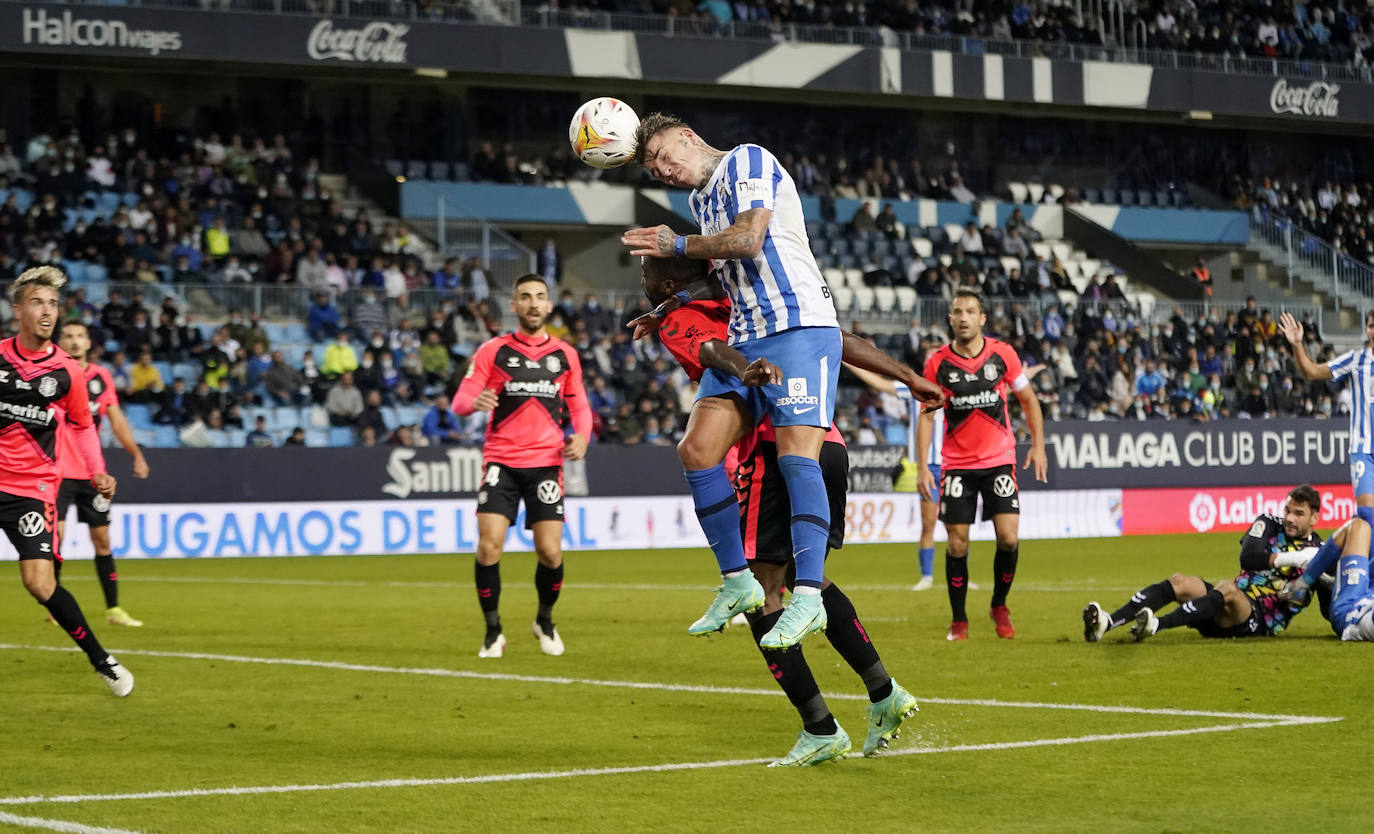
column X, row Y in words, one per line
column 1292, row 331
column 124, row 433
column 579, row 409
column 472, row 394
column 861, row 353
column 77, row 405
column 742, row 239
column 696, row 291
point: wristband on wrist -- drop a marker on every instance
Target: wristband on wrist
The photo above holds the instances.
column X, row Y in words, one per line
column 683, row 297
column 680, row 246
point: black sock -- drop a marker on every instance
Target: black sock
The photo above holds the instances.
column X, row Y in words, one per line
column 792, row 673
column 1203, row 609
column 850, row 639
column 547, row 582
column 956, row 581
column 57, row 570
column 1154, row 597
column 63, row 608
column 109, row 579
column 489, row 595
column 1003, row 572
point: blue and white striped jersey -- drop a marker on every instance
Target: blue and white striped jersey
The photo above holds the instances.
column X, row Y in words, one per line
column 1359, row 366
column 782, row 287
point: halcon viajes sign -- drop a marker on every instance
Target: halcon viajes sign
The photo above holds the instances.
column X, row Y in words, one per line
column 68, row 30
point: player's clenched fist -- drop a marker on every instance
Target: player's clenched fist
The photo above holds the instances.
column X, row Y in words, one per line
column 485, row 401
column 104, row 484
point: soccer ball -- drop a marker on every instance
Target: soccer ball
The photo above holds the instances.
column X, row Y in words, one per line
column 602, row 133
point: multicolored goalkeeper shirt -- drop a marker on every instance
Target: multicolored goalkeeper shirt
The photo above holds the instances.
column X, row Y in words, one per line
column 1262, row 585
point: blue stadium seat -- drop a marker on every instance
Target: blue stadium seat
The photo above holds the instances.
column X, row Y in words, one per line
column 1109, row 196
column 1092, row 195
column 296, row 332
column 76, row 271
column 219, row 439
column 839, row 246
column 825, row 261
column 895, row 433
column 438, row 170
column 411, row 414
column 88, row 215
column 847, row 262
column 340, row 436
column 813, row 229
column 415, row 170
column 389, row 417
column 23, row 198
column 1126, row 197
column 108, row 203
column 317, row 438
column 394, row 167
column 1162, row 197
column 287, row 418
column 165, row 437
column 140, row 416
column 189, row 371
column 144, row 437
column 818, row 246
column 252, row 413
column 860, row 247
column 69, row 218
column 129, row 199
column 833, row 229
column 1145, row 198
column 237, row 438
column 461, row 172
column 275, row 331
column 165, row 369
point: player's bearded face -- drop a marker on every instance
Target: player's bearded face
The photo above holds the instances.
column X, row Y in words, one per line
column 1297, row 520
column 532, row 307
column 37, row 313
column 673, row 157
column 75, row 341
column 967, row 319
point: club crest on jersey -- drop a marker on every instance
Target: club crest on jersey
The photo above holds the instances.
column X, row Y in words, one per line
column 47, row 386
column 553, row 363
column 990, row 373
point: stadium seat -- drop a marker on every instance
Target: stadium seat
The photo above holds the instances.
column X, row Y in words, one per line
column 252, row 413
column 219, row 439
column 1162, row 197
column 314, row 417
column 394, row 167
column 461, row 172
column 144, row 437
column 165, row 437
column 287, row 418
column 906, row 300
column 825, row 261
column 922, row 247
column 860, row 248
column 818, row 246
column 317, row 438
column 189, row 371
column 129, row 199
column 164, row 369
column 853, row 279
column 863, row 300
column 139, row 416
column 340, row 436
column 884, row 299
column 1036, row 191
column 1056, row 190
column 833, row 229
column 1179, row 198
column 953, row 233
column 415, row 170
column 813, row 229
column 1109, row 196
column 846, row 262
column 1044, row 250
column 237, row 438
column 76, row 271
column 1018, row 191
column 96, row 272
column 895, row 433
column 833, row 277
column 389, row 417
column 1145, row 198
column 1126, row 197
column 1092, row 195
column 438, row 170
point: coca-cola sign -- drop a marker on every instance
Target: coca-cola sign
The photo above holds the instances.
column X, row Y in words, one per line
column 1316, row 99
column 375, row 43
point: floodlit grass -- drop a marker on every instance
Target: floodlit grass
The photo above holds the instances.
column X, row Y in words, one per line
column 222, row 722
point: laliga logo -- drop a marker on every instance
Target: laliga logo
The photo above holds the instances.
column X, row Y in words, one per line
column 1316, row 99
column 378, row 43
column 1202, row 512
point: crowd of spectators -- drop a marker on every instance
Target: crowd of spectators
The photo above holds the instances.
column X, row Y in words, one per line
column 1342, row 214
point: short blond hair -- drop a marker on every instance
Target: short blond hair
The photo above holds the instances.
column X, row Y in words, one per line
column 39, row 276
column 651, row 126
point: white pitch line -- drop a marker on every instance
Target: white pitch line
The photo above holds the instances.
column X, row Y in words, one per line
column 58, row 825
column 530, row 776
column 574, row 586
column 670, row 687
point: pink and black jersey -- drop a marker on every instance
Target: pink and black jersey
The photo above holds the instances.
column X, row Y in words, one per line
column 538, row 382
column 100, row 388
column 978, row 431
column 38, row 392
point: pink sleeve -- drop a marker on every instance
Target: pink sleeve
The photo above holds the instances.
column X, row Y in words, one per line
column 88, row 444
column 108, row 397
column 575, row 395
column 479, row 371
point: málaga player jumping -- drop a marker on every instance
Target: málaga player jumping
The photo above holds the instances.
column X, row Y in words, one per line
column 695, row 335
column 754, row 232
column 531, row 383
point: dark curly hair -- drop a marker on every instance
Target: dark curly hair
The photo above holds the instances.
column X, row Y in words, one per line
column 649, row 127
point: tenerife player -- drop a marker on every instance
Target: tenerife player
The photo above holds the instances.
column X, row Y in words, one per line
column 753, row 230
column 1273, row 551
column 695, row 335
column 979, row 458
column 1358, row 365
column 92, row 508
column 40, row 386
column 531, row 383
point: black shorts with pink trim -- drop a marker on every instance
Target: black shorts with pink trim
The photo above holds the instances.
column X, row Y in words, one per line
column 766, row 510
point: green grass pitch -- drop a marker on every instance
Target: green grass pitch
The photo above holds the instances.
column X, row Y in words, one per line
column 398, row 726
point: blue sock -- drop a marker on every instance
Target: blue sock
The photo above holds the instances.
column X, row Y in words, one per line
column 718, row 512
column 810, row 517
column 927, row 555
column 1324, row 561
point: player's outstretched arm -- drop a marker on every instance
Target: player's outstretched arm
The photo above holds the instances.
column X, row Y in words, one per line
column 124, row 433
column 743, row 239
column 1292, row 331
column 696, row 291
column 860, row 353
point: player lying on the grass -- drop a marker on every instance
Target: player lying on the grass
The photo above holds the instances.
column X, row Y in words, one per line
column 1273, row 551
column 41, row 386
column 753, row 229
column 694, row 334
column 92, row 508
column 1352, row 610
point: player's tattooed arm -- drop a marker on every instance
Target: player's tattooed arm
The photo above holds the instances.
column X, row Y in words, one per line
column 744, row 238
column 717, row 354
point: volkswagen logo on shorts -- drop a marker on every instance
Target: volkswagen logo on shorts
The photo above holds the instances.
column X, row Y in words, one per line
column 549, row 492
column 101, row 504
column 47, row 386
column 32, row 524
column 1003, row 486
